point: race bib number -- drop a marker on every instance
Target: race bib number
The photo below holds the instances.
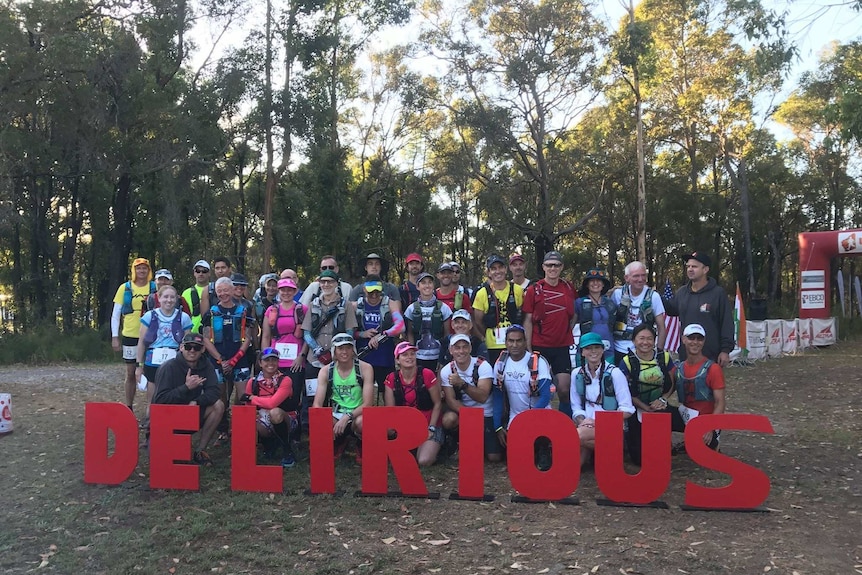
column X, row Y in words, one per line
column 310, row 387
column 500, row 335
column 287, row 351
column 687, row 413
column 130, row 352
column 263, row 417
column 163, row 354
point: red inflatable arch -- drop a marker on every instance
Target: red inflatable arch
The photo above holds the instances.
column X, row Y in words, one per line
column 816, row 249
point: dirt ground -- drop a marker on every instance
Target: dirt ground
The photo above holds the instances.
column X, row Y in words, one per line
column 51, row 521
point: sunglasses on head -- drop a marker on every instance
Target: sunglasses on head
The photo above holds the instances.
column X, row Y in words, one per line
column 323, row 268
column 192, row 347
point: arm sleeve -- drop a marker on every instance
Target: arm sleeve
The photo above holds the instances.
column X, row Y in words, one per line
column 309, row 339
column 397, row 325
column 544, row 394
column 284, row 391
column 497, row 399
column 115, row 320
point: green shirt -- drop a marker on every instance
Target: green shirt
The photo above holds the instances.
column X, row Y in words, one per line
column 346, row 391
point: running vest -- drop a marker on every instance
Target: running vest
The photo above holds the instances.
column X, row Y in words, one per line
column 423, row 396
column 702, row 392
column 385, row 322
column 318, row 316
column 607, row 394
column 298, row 318
column 622, row 329
column 534, row 371
column 341, row 398
column 585, row 312
column 453, row 368
column 256, row 389
column 153, row 328
column 217, row 324
column 648, row 392
column 436, row 320
column 127, row 297
column 492, row 316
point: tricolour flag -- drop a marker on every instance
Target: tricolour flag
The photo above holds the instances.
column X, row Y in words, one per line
column 739, row 323
column 671, row 323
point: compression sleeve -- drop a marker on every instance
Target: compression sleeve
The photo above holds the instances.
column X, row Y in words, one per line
column 115, row 320
column 544, row 394
column 397, row 326
column 309, row 339
column 497, row 397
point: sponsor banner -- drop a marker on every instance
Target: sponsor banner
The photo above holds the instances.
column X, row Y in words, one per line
column 824, row 331
column 790, row 337
column 774, row 337
column 756, row 331
column 849, row 242
column 813, row 279
column 803, row 330
column 813, row 299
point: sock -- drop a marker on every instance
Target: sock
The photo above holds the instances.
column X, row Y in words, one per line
column 283, row 433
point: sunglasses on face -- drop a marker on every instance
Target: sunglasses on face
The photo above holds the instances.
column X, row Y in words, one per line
column 553, row 265
column 192, row 347
column 199, row 271
column 323, row 268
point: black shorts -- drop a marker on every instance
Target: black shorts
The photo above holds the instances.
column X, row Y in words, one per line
column 558, row 358
column 130, row 342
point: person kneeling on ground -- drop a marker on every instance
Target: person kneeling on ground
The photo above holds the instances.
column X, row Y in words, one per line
column 190, row 379
column 276, row 396
column 599, row 386
column 347, row 384
column 419, row 388
column 699, row 383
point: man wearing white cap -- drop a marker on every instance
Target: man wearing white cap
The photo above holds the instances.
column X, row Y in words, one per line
column 699, row 382
column 347, row 385
column 192, row 296
column 163, row 277
column 467, row 382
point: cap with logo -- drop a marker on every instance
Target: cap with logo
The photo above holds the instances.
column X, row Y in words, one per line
column 553, row 256
column 268, row 353
column 424, row 275
column 238, row 279
column 413, row 257
column 201, row 264
column 459, row 337
column 343, row 339
column 163, row 273
column 286, row 283
column 192, row 337
column 494, row 259
column 515, row 257
column 699, row 256
column 445, row 267
column 404, row 346
column 461, row 314
column 692, row 329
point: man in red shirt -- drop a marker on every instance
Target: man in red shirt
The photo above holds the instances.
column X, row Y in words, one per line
column 549, row 316
column 699, row 382
column 451, row 293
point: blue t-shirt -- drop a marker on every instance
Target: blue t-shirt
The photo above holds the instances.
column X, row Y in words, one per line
column 384, row 355
column 164, row 336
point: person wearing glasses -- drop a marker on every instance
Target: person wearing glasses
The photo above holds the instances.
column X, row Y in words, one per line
column 549, row 316
column 190, row 379
column 193, row 295
column 327, row 264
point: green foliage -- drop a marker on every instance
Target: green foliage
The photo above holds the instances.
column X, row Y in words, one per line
column 45, row 345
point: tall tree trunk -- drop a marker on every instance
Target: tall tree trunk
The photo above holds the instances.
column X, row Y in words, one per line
column 121, row 238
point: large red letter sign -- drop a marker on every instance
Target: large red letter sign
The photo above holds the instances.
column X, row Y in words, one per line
column 99, row 466
column 562, row 478
column 412, row 431
column 167, row 446
column 471, row 460
column 321, row 451
column 654, row 476
column 245, row 473
column 749, row 486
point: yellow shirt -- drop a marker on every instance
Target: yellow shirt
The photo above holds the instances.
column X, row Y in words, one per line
column 131, row 322
column 495, row 338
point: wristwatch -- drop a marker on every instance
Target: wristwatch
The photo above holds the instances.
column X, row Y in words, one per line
column 432, row 428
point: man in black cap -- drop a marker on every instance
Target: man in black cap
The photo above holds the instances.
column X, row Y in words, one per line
column 190, row 379
column 702, row 301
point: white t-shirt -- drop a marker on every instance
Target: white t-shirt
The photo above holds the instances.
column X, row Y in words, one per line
column 485, row 371
column 593, row 391
column 634, row 319
column 428, row 348
column 516, row 376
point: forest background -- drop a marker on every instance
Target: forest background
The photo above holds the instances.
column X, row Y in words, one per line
column 453, row 128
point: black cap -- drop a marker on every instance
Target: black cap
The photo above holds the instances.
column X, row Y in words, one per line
column 495, row 259
column 699, row 256
column 238, row 280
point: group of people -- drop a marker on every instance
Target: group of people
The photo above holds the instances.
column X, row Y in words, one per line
column 430, row 343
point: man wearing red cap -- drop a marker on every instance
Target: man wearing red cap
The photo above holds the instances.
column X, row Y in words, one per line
column 410, row 288
column 128, row 302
